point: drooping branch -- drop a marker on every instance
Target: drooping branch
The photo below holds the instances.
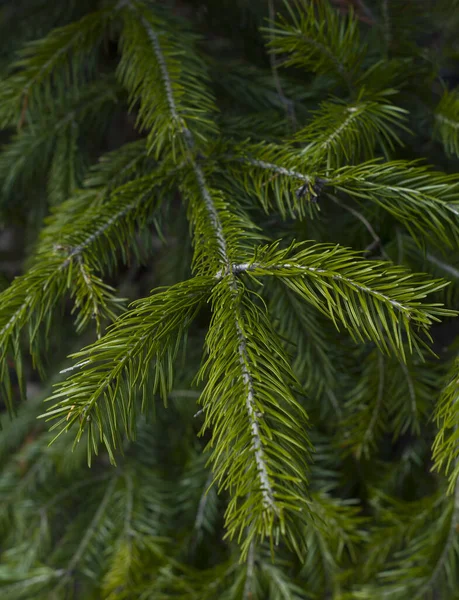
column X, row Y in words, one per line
column 216, row 223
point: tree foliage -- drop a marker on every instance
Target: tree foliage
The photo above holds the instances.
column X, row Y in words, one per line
column 247, row 247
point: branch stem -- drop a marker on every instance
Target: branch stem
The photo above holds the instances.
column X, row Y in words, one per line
column 247, row 267
column 214, row 218
column 189, row 142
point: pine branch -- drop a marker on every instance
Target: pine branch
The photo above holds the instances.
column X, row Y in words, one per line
column 101, row 393
column 65, row 532
column 213, row 212
column 446, row 445
column 70, row 266
column 50, row 143
column 427, row 562
column 385, row 396
column 221, row 226
column 359, row 294
column 318, row 39
column 53, row 60
column 174, row 103
column 329, row 553
column 365, row 427
column 341, row 133
column 255, row 420
column 314, row 357
column 424, row 201
column 274, row 175
column 89, row 534
column 447, row 122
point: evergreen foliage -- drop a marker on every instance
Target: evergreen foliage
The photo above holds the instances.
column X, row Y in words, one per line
column 241, row 226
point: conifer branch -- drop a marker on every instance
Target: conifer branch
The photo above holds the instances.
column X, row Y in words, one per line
column 269, row 312
column 430, row 552
column 107, row 375
column 360, row 280
column 314, row 360
column 244, row 441
column 46, row 142
column 216, row 225
column 165, row 110
column 259, row 453
column 42, row 60
column 445, row 448
column 340, row 133
column 319, row 39
column 217, row 228
column 69, row 267
column 449, row 546
column 189, row 145
column 447, row 122
column 90, row 532
column 424, row 201
column 103, row 228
